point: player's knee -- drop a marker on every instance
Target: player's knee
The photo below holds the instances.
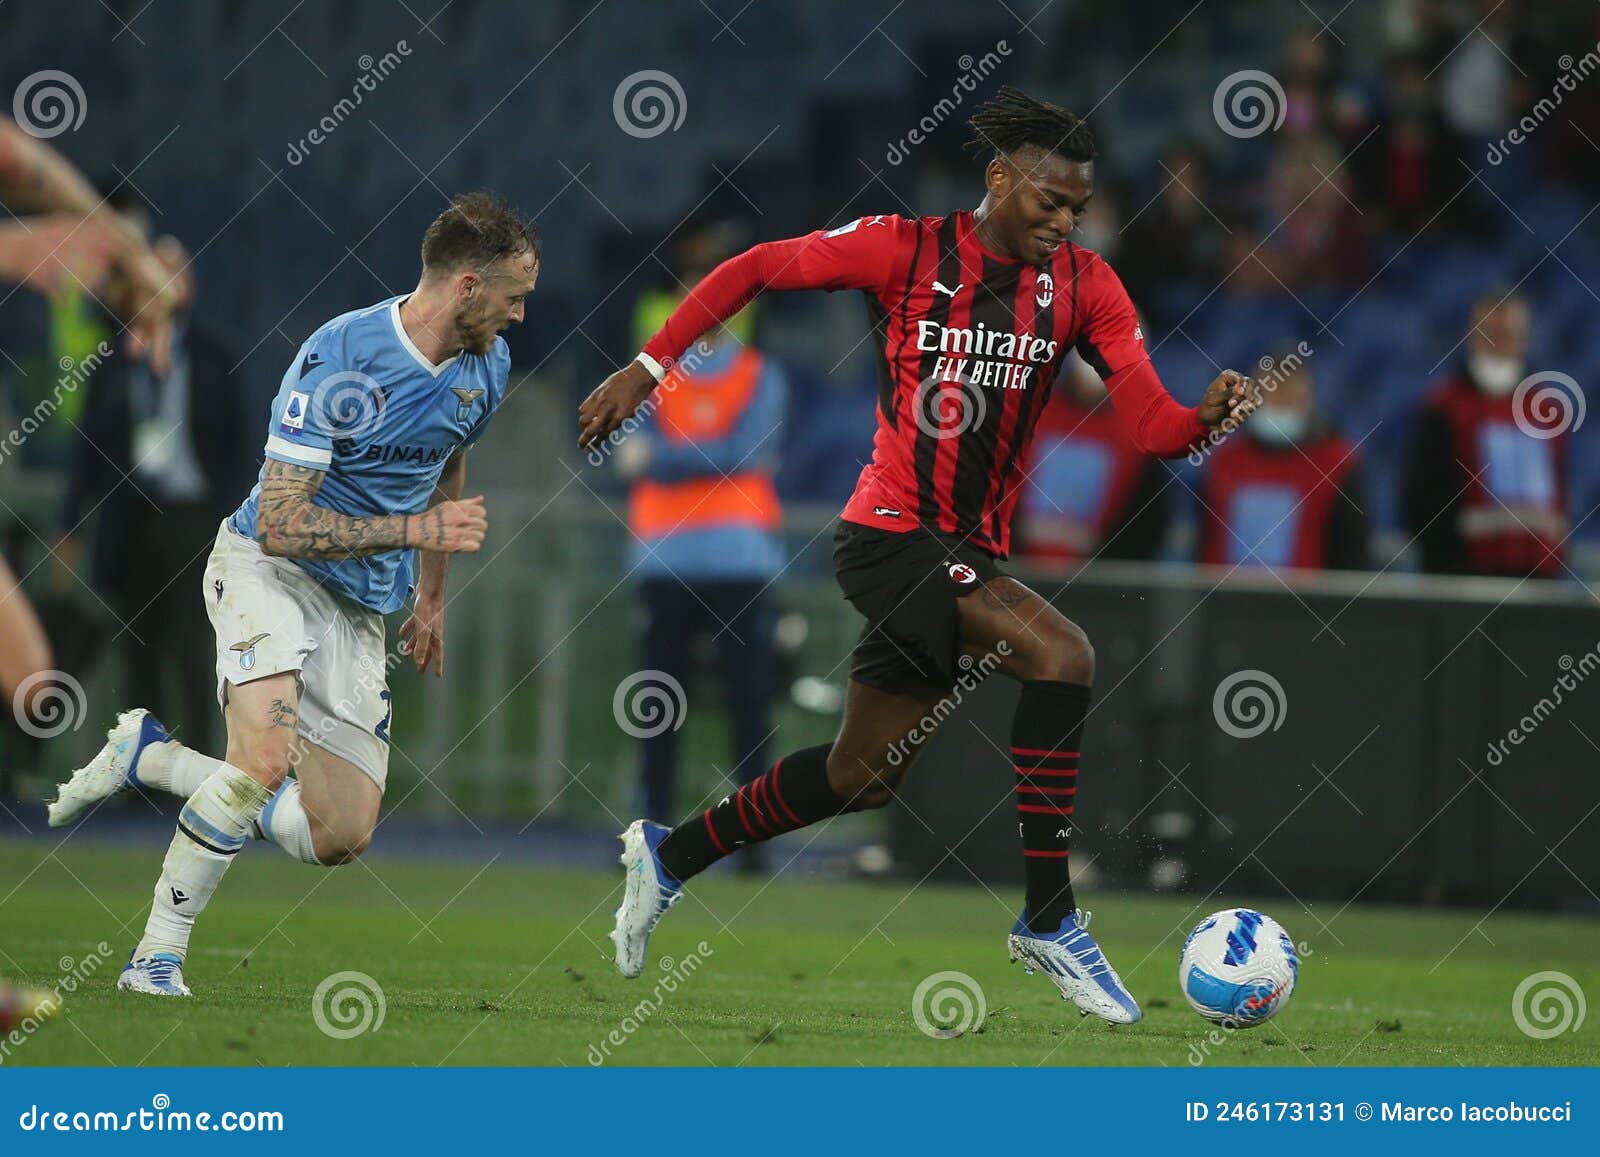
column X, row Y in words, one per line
column 1063, row 655
column 335, row 846
column 266, row 761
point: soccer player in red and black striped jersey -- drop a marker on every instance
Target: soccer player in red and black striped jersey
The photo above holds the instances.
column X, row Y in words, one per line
column 973, row 314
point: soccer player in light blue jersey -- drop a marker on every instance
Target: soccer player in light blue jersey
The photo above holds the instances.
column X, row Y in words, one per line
column 359, row 505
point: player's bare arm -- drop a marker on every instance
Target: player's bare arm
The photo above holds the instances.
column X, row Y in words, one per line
column 36, row 178
column 422, row 634
column 50, row 253
column 290, row 524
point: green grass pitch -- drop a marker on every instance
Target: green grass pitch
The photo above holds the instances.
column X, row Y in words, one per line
column 506, row 965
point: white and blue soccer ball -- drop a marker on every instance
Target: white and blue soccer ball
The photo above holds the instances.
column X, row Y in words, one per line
column 1238, row 967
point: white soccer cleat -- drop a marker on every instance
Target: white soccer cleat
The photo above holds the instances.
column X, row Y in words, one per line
column 113, row 770
column 1080, row 970
column 159, row 974
column 648, row 895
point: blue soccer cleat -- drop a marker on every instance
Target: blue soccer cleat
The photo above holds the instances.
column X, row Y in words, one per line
column 648, row 895
column 159, row 974
column 113, row 770
column 1074, row 961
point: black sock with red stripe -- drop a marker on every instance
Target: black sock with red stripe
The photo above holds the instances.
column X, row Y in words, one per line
column 1045, row 733
column 793, row 795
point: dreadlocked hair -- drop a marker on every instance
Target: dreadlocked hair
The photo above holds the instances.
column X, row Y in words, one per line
column 1013, row 119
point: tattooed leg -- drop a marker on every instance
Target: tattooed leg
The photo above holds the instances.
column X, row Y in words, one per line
column 216, row 821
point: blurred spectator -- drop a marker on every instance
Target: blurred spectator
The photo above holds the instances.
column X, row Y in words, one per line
column 1314, row 231
column 158, row 462
column 1287, row 490
column 1175, row 237
column 697, row 252
column 1406, row 157
column 1482, row 495
column 1090, row 492
column 1309, row 73
column 706, row 525
column 1474, row 46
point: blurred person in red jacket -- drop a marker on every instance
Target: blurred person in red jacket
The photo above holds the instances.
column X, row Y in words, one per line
column 1089, row 491
column 1287, row 490
column 1484, row 489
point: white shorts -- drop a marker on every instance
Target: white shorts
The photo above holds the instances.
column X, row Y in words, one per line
column 270, row 616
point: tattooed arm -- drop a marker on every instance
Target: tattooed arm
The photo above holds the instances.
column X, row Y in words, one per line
column 290, row 524
column 433, row 565
column 423, row 632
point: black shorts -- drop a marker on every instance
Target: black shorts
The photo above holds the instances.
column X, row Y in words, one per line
column 906, row 585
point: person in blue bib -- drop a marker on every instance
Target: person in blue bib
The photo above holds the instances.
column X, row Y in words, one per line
column 358, row 506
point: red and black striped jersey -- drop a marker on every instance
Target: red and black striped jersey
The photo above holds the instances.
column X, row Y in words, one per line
column 970, row 343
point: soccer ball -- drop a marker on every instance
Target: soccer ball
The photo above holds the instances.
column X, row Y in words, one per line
column 1238, row 968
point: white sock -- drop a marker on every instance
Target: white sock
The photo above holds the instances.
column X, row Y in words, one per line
column 285, row 823
column 175, row 768
column 212, row 827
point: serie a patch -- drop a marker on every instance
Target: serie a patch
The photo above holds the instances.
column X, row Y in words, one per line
column 294, row 413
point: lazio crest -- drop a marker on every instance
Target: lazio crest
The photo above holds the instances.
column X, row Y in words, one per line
column 465, row 398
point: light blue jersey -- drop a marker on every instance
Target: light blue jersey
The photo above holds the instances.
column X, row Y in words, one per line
column 362, row 403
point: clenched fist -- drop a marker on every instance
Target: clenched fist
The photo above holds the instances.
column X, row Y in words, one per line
column 450, row 527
